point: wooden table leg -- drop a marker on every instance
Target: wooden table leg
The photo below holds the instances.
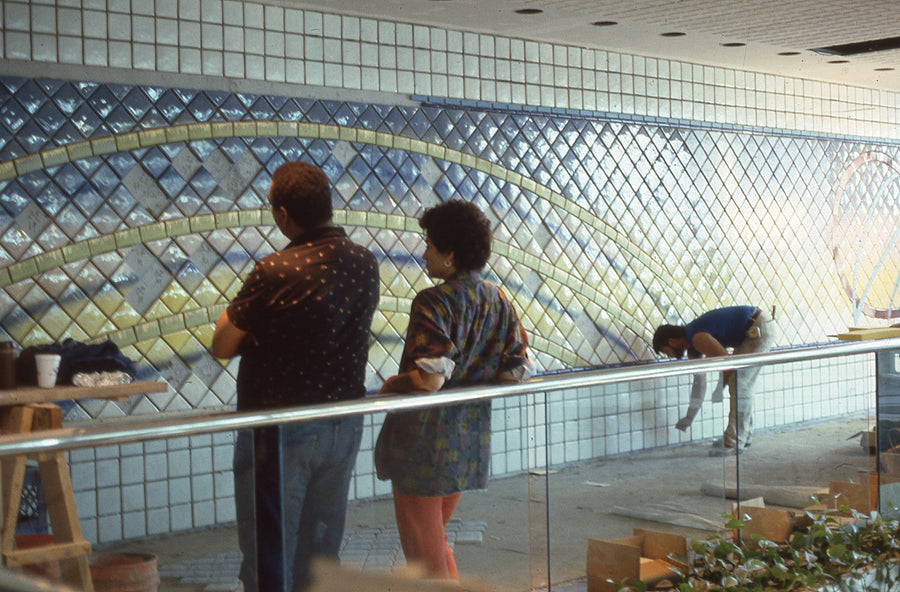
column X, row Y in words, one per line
column 69, row 546
column 14, row 420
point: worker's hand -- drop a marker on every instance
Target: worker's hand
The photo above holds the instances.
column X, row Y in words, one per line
column 684, row 423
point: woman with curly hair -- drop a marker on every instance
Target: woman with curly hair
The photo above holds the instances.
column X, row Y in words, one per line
column 462, row 332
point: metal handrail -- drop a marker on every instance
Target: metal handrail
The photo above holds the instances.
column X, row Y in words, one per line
column 169, row 427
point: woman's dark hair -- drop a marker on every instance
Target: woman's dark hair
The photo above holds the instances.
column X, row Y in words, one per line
column 304, row 191
column 462, row 228
column 664, row 333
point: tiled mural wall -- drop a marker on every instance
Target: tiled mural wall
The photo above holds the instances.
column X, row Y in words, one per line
column 133, row 211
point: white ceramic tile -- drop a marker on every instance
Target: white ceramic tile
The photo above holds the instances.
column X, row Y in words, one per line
column 181, row 516
column 86, row 503
column 202, row 487
column 120, row 55
column 233, row 12
column 44, row 48
column 156, row 494
column 17, row 16
column 204, row 513
column 315, row 73
column 212, row 37
column 314, row 49
column 213, row 63
column 158, row 521
column 334, row 74
column 405, row 60
column 367, row 30
column 189, row 10
column 254, row 16
column 166, row 59
column 43, row 19
column 225, row 511
column 332, row 26
column 109, row 528
column 404, row 32
column 293, row 47
column 167, row 31
column 95, row 24
column 167, row 9
column 274, row 44
column 143, row 29
column 234, row 39
column 211, row 11
column 387, row 33
column 350, row 53
column 189, row 34
column 387, row 80
column 294, row 71
column 254, row 41
column 96, row 52
column 189, row 61
column 351, row 77
column 274, row 19
column 223, row 482
column 119, row 27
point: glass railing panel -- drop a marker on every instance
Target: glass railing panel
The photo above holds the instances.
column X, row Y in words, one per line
column 805, row 454
column 884, row 438
column 166, row 505
column 622, row 475
column 575, row 457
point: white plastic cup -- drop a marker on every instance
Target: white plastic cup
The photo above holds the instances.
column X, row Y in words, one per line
column 47, row 369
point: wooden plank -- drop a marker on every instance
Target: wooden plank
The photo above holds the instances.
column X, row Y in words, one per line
column 51, row 552
column 34, row 394
column 864, row 334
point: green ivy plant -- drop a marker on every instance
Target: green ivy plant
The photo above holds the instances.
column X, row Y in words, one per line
column 861, row 555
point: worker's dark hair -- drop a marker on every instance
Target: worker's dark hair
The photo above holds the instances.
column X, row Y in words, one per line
column 664, row 333
column 460, row 227
column 304, row 191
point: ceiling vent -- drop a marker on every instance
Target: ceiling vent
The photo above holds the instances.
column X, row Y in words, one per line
column 861, row 47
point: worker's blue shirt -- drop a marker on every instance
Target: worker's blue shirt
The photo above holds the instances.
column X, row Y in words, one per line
column 728, row 325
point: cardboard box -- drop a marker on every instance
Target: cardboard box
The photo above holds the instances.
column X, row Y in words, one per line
column 771, row 524
column 644, row 556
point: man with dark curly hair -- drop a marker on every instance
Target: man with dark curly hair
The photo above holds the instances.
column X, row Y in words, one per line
column 462, row 332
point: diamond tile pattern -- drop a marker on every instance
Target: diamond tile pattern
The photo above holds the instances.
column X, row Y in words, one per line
column 604, row 228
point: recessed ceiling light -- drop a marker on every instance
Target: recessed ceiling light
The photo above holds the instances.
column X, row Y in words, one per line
column 673, row 34
column 529, row 11
column 788, row 53
column 734, row 44
column 884, row 69
column 604, row 23
column 838, row 61
column 871, row 46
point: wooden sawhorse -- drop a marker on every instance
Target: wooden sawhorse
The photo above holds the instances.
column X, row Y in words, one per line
column 68, row 547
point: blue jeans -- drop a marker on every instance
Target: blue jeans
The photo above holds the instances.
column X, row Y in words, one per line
column 292, row 501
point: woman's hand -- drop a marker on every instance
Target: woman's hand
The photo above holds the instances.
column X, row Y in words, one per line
column 414, row 381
